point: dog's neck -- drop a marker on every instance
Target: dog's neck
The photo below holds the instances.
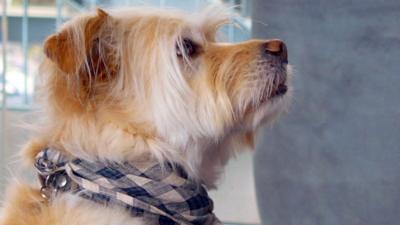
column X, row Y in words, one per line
column 203, row 159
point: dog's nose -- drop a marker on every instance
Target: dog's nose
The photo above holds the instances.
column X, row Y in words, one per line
column 276, row 47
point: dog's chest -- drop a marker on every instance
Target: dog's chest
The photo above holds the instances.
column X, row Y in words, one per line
column 72, row 209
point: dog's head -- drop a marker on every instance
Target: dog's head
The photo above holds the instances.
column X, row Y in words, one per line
column 164, row 75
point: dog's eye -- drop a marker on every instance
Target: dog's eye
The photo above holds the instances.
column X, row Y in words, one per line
column 187, row 48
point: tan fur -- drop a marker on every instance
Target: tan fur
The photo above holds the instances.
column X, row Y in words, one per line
column 25, row 206
column 113, row 87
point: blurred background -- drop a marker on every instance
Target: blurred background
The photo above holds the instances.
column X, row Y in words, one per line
column 332, row 160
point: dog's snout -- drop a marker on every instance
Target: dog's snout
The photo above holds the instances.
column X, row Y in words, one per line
column 277, row 48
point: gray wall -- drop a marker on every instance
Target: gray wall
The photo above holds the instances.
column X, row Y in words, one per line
column 335, row 158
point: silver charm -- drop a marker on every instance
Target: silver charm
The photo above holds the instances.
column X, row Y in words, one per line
column 52, row 174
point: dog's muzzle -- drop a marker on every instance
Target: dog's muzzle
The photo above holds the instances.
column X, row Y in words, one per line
column 275, row 52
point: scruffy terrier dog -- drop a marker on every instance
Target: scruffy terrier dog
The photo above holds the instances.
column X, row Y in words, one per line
column 143, row 109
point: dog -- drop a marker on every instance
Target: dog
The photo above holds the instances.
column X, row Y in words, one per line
column 142, row 108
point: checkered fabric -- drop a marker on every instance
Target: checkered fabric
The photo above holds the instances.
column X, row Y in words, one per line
column 157, row 192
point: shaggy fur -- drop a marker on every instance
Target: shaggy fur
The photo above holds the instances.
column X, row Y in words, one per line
column 113, row 87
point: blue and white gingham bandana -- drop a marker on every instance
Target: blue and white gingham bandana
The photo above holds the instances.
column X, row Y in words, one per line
column 145, row 189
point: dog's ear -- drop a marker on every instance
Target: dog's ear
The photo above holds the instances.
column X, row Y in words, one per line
column 69, row 48
column 84, row 60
